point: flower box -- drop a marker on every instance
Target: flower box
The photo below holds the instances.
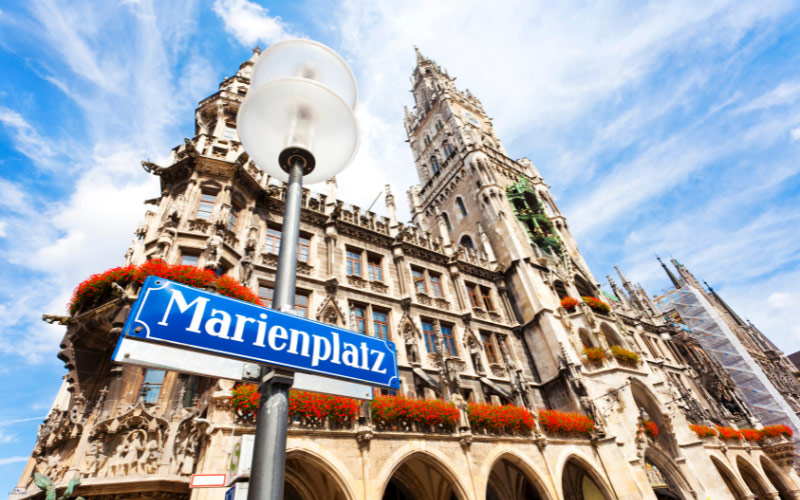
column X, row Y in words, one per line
column 728, row 433
column 597, row 305
column 97, row 289
column 751, row 434
column 595, row 355
column 703, row 431
column 624, row 355
column 569, row 303
column 401, row 413
column 558, row 422
column 308, row 408
column 493, row 419
column 649, row 428
column 776, row 431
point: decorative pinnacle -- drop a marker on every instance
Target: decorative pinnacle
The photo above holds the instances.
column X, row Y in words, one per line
column 420, row 58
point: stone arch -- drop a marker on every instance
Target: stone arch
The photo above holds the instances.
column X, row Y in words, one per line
column 447, row 221
column 611, row 336
column 734, row 486
column 586, row 338
column 329, row 312
column 309, row 476
column 647, row 401
column 581, row 481
column 674, row 484
column 583, row 286
column 512, row 477
column 422, row 475
column 460, row 207
column 466, row 241
column 754, row 481
column 561, row 289
column 778, row 479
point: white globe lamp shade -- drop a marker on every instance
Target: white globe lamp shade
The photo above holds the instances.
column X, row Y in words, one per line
column 307, row 59
column 300, row 108
column 293, row 116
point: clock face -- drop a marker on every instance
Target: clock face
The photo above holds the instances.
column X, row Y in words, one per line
column 470, row 117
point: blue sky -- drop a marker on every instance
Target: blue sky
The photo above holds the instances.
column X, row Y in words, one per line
column 662, row 128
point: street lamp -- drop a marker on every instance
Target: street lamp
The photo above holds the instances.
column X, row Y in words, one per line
column 296, row 121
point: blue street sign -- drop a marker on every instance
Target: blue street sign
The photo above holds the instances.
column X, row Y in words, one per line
column 181, row 315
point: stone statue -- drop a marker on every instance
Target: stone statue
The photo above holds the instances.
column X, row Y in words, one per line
column 411, row 346
column 245, row 270
column 252, row 239
column 475, row 355
column 177, row 209
column 130, row 452
column 214, row 249
column 129, row 253
column 165, row 242
column 224, row 215
column 95, row 458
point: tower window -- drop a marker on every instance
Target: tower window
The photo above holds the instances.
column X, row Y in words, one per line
column 353, row 263
column 439, row 125
column 374, row 268
column 358, row 317
column 230, row 132
column 462, row 209
column 448, row 150
column 430, row 336
column 380, row 324
column 188, row 259
column 206, row 206
column 436, row 284
column 447, row 221
column 151, row 385
column 435, row 165
column 418, row 277
column 427, row 140
column 273, row 244
column 486, row 296
column 488, row 347
column 233, row 217
column 449, row 340
column 466, row 242
column 474, row 298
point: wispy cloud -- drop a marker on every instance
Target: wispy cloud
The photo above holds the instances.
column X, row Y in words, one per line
column 250, row 23
column 13, row 460
column 12, row 421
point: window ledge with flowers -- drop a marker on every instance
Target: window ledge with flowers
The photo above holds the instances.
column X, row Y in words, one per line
column 624, row 355
column 98, row 288
column 597, row 305
column 570, row 304
column 306, row 409
column 649, row 428
column 595, row 355
column 511, row 420
column 565, row 424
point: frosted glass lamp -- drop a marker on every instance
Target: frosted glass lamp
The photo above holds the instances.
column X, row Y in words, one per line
column 300, row 107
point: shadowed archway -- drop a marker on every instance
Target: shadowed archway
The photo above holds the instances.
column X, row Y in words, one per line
column 754, row 481
column 309, row 477
column 776, row 476
column 420, row 476
column 511, row 479
column 734, row 486
column 580, row 482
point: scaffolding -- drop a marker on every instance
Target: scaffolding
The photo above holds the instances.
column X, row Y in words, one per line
column 718, row 340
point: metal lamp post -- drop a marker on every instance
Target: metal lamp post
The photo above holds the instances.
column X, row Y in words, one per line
column 297, row 121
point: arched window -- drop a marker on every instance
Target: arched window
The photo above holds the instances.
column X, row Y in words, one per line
column 439, row 125
column 466, row 241
column 447, row 221
column 427, row 140
column 448, row 150
column 435, row 165
column 461, row 208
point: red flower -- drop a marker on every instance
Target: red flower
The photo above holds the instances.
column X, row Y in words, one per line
column 703, row 431
column 624, row 355
column 394, row 410
column 594, row 354
column 97, row 289
column 569, row 303
column 776, row 431
column 312, row 407
column 505, row 419
column 751, row 434
column 728, row 433
column 649, row 427
column 558, row 422
column 597, row 304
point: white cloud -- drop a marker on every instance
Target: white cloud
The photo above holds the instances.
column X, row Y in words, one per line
column 785, row 93
column 250, row 23
column 13, row 460
column 795, row 133
column 7, row 438
column 27, row 140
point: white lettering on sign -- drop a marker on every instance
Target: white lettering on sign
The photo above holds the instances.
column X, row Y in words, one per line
column 297, row 342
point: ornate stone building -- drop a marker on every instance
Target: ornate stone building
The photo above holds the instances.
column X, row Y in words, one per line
column 471, row 293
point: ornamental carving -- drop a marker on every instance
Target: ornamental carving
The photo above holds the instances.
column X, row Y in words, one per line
column 191, row 437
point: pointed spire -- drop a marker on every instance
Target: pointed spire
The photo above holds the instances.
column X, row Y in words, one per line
column 420, row 58
column 671, row 276
column 390, row 206
column 725, row 305
column 622, row 277
column 617, row 292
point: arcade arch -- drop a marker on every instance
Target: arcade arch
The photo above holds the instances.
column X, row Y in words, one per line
column 580, row 482
column 733, row 484
column 647, row 403
column 420, row 476
column 310, row 477
column 511, row 479
column 777, row 478
column 753, row 480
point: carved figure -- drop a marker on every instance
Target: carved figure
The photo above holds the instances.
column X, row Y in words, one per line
column 177, row 209
column 214, row 249
column 165, row 242
column 129, row 253
column 411, row 346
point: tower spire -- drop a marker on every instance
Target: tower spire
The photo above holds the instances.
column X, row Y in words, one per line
column 420, row 58
column 672, row 277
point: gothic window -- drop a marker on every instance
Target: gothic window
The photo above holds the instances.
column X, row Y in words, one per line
column 430, row 336
column 273, row 244
column 439, row 125
column 427, row 140
column 462, row 209
column 230, row 131
column 374, row 268
column 435, row 165
column 472, row 292
column 151, row 385
column 265, row 293
column 418, row 277
column 488, row 346
column 188, row 259
column 380, row 324
column 358, row 315
column 206, row 206
column 447, row 221
column 486, row 297
column 436, row 284
column 233, row 217
column 449, row 340
column 448, row 150
column 466, row 242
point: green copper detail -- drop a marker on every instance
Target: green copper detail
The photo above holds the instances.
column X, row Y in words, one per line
column 529, row 210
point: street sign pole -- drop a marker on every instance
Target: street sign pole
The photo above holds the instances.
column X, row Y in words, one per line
column 269, row 452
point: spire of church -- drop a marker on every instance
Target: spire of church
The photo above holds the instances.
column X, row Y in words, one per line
column 671, row 276
column 420, row 58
